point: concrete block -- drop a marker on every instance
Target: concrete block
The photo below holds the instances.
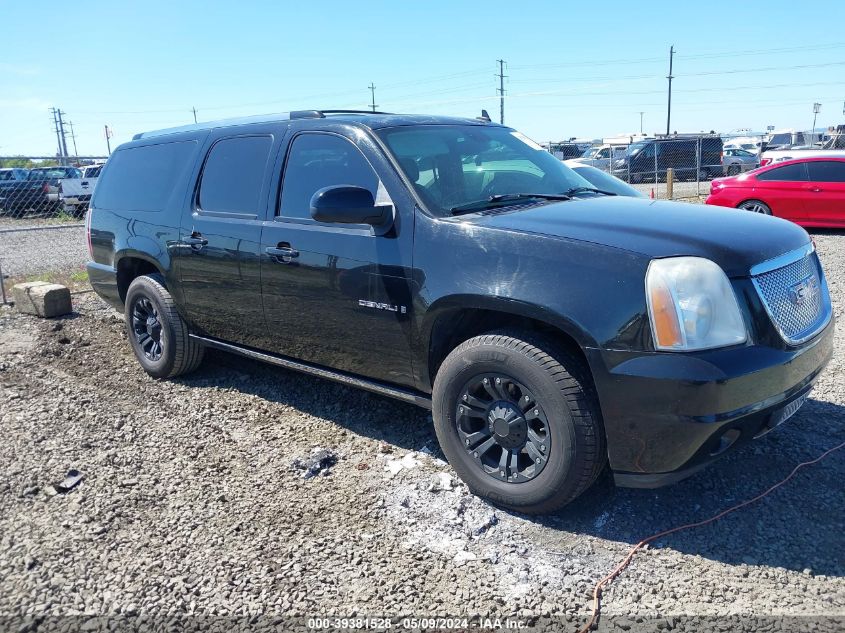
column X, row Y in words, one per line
column 42, row 299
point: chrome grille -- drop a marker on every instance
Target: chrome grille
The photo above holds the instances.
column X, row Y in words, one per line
column 796, row 298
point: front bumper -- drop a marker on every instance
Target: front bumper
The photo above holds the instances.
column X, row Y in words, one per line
column 667, row 415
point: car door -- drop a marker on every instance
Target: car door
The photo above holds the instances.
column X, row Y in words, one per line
column 826, row 200
column 785, row 190
column 339, row 295
column 218, row 250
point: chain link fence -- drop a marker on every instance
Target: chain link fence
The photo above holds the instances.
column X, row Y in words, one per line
column 42, row 207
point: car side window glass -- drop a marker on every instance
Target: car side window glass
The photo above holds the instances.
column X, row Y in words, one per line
column 233, row 175
column 796, row 172
column 827, row 171
column 316, row 161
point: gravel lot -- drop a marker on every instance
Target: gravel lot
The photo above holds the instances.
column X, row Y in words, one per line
column 23, row 250
column 190, row 505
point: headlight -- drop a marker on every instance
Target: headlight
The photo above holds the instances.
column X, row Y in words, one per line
column 691, row 305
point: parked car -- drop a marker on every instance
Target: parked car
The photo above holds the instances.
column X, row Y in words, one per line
column 807, row 191
column 76, row 192
column 565, row 151
column 735, row 161
column 778, row 156
column 690, row 157
column 40, row 190
column 13, row 173
column 748, row 143
column 602, row 156
column 603, row 180
column 457, row 265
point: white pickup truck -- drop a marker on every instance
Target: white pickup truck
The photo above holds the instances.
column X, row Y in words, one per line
column 75, row 193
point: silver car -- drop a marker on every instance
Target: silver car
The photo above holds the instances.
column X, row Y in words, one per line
column 736, row 160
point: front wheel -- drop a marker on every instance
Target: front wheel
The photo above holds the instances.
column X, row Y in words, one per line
column 755, row 206
column 519, row 421
column 156, row 330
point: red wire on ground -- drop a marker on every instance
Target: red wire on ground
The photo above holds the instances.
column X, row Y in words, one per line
column 626, row 561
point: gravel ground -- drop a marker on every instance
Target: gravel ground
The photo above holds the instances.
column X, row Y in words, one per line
column 194, row 502
column 23, row 249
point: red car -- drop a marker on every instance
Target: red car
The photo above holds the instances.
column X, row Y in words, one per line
column 808, row 191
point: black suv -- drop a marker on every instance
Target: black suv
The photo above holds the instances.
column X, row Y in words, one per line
column 455, row 264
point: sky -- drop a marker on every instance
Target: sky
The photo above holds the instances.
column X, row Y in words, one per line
column 574, row 69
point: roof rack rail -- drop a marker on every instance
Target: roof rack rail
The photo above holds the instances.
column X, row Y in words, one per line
column 353, row 112
column 305, row 114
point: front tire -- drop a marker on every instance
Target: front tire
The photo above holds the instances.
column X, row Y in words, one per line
column 519, row 422
column 156, row 330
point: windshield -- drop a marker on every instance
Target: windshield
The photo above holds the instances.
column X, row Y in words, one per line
column 634, row 148
column 454, row 165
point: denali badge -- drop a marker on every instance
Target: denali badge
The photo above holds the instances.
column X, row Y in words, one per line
column 381, row 306
column 804, row 291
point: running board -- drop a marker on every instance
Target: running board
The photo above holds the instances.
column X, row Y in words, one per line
column 406, row 395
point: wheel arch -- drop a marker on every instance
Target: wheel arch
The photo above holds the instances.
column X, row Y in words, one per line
column 453, row 320
column 131, row 264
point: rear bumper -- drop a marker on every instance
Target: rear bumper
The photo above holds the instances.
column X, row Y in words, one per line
column 103, row 279
column 668, row 415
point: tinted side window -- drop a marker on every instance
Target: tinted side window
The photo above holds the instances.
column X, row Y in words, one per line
column 233, row 175
column 827, row 171
column 796, row 172
column 321, row 160
column 143, row 178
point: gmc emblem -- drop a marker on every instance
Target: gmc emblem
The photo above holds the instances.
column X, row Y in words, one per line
column 803, row 291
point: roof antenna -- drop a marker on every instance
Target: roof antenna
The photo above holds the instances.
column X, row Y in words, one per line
column 484, row 116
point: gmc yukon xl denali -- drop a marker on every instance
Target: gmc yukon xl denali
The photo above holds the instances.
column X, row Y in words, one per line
column 451, row 263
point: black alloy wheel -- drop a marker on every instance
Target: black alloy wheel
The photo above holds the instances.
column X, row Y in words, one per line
column 503, row 428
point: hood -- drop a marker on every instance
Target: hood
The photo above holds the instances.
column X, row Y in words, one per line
column 734, row 239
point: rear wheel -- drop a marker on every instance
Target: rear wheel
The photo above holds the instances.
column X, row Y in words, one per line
column 157, row 332
column 755, row 206
column 733, row 170
column 519, row 421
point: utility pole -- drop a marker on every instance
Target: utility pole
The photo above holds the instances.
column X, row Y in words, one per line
column 641, row 122
column 194, row 110
column 73, row 138
column 816, row 109
column 58, row 135
column 63, row 137
column 108, row 142
column 373, row 93
column 501, row 77
column 670, row 77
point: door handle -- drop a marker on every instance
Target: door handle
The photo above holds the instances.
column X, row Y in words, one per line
column 282, row 254
column 195, row 240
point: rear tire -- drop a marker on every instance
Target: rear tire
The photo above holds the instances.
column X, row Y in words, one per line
column 156, row 330
column 733, row 170
column 533, row 394
column 755, row 206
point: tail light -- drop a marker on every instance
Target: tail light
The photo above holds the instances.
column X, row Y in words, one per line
column 765, row 161
column 88, row 231
column 45, row 188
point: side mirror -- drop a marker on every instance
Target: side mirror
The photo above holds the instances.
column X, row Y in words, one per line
column 348, row 204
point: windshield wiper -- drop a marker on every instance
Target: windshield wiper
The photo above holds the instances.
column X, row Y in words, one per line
column 577, row 190
column 492, row 201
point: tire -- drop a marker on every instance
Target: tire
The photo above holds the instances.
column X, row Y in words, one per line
column 561, row 408
column 703, row 174
column 755, row 206
column 166, row 350
column 733, row 170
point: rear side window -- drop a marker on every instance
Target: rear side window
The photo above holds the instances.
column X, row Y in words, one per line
column 143, row 178
column 234, row 174
column 796, row 172
column 322, row 160
column 827, row 171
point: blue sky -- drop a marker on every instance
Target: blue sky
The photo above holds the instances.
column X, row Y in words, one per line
column 582, row 69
